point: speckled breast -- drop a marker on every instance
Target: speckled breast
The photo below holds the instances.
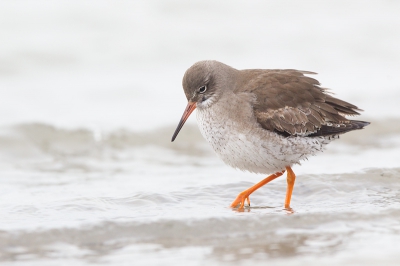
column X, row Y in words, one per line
column 241, row 143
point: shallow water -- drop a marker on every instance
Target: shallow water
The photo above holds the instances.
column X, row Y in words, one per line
column 128, row 196
column 90, row 97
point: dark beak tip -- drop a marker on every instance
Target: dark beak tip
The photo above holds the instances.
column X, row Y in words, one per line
column 188, row 110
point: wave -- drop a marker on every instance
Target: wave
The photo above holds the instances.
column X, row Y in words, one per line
column 25, row 139
column 272, row 235
column 32, row 138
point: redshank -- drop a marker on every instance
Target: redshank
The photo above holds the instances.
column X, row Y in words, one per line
column 264, row 120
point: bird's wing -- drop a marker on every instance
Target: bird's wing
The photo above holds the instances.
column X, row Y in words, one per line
column 291, row 103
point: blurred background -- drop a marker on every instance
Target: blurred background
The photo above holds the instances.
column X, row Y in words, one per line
column 90, row 94
column 120, row 64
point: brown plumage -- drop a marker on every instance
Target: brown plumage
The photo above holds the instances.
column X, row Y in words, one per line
column 264, row 121
column 290, row 103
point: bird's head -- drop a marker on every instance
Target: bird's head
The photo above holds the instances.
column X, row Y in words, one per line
column 201, row 84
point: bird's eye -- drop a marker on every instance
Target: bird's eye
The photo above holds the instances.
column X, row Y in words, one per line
column 202, row 89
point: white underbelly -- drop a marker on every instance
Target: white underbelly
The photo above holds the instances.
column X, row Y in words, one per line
column 251, row 148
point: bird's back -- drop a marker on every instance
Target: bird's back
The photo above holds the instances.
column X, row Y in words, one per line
column 292, row 104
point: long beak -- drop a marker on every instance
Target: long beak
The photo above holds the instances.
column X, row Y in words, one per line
column 189, row 109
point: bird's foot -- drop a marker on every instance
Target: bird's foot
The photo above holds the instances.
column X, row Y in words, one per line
column 240, row 200
column 288, row 209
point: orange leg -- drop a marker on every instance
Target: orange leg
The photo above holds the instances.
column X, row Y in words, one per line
column 244, row 195
column 291, row 177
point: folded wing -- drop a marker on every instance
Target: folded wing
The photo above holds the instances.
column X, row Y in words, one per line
column 290, row 103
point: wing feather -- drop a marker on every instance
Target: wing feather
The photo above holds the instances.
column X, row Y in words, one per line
column 294, row 104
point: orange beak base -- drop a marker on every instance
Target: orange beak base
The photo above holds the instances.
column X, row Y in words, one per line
column 189, row 109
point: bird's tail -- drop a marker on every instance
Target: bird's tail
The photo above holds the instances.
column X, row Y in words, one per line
column 339, row 128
